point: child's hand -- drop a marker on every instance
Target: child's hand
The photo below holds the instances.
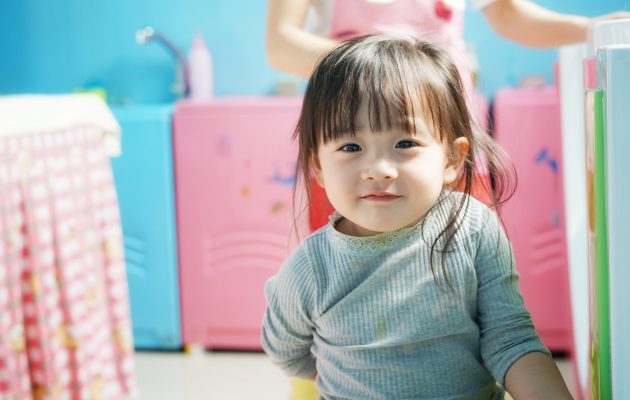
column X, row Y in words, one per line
column 536, row 376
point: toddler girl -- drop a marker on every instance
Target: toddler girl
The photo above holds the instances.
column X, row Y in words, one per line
column 410, row 291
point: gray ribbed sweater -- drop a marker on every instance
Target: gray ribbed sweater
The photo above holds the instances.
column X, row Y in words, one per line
column 367, row 315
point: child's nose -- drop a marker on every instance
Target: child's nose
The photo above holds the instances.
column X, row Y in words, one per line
column 380, row 169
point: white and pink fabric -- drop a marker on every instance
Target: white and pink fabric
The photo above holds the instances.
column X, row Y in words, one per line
column 64, row 312
column 440, row 21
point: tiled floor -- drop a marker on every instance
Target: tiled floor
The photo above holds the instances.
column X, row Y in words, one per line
column 209, row 376
column 223, row 376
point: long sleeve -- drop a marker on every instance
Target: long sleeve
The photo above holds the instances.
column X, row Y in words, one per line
column 507, row 332
column 287, row 332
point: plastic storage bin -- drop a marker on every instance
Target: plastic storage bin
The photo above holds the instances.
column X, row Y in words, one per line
column 609, row 271
column 144, row 181
column 527, row 125
column 234, row 168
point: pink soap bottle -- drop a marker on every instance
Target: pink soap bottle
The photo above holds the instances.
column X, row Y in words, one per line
column 200, row 70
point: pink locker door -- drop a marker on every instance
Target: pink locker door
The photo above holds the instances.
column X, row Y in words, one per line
column 234, row 169
column 527, row 125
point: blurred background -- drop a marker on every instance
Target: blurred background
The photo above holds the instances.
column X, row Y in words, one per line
column 191, row 171
column 61, row 46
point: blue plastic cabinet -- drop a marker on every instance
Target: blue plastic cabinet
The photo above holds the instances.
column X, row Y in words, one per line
column 144, row 182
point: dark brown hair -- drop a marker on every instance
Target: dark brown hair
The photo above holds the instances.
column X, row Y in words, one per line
column 400, row 78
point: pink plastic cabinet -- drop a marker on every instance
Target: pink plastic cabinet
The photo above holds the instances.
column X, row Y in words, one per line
column 527, row 125
column 234, row 170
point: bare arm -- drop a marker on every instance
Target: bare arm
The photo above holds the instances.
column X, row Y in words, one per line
column 535, row 377
column 293, row 50
column 289, row 47
column 531, row 25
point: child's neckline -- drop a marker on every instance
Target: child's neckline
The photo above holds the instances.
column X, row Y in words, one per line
column 380, row 241
column 426, row 230
column 336, row 218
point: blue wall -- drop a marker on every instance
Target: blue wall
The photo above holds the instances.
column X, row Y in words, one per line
column 504, row 63
column 62, row 45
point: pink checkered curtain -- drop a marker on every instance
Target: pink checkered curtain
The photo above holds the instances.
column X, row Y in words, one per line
column 64, row 311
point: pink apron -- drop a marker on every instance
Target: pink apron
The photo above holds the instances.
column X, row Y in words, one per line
column 432, row 20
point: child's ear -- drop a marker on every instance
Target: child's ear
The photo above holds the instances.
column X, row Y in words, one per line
column 457, row 155
column 317, row 171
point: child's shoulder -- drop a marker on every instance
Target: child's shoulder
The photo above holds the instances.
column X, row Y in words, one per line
column 473, row 214
column 313, row 243
column 304, row 259
column 316, row 238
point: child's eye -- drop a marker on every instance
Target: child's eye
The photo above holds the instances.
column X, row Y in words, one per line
column 406, row 144
column 350, row 148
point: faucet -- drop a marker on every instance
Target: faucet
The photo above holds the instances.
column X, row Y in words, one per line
column 181, row 86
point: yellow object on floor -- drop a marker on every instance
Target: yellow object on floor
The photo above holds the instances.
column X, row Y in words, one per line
column 303, row 389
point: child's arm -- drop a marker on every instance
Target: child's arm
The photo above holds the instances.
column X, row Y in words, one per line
column 536, row 376
column 510, row 348
column 531, row 25
column 287, row 332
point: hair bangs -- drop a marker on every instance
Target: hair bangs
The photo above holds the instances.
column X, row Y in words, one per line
column 390, row 100
column 394, row 97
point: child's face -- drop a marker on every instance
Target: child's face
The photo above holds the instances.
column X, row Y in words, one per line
column 384, row 181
